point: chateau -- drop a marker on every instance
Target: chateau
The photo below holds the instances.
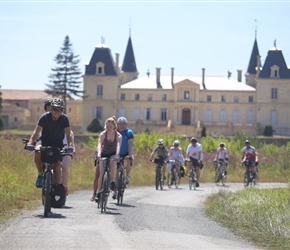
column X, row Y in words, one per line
column 181, row 104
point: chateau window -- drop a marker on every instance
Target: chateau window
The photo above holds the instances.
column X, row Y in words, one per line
column 147, row 114
column 164, row 97
column 164, row 113
column 137, row 97
column 98, row 113
column 223, row 98
column 236, row 116
column 251, row 98
column 186, row 95
column 99, row 90
column 273, row 117
column 136, row 114
column 236, row 99
column 208, row 115
column 223, row 116
column 250, row 116
column 100, row 68
column 208, row 98
column 274, row 93
column 122, row 112
column 275, row 71
column 149, row 98
column 123, row 96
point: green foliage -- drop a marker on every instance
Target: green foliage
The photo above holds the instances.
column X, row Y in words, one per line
column 1, row 124
column 268, row 130
column 95, row 126
column 65, row 77
column 269, row 228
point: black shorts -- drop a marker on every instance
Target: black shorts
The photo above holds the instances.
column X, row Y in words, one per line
column 194, row 162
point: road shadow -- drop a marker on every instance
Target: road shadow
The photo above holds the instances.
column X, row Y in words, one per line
column 51, row 215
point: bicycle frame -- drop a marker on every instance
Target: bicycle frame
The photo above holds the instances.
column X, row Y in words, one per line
column 173, row 176
column 250, row 175
column 121, row 180
column 220, row 172
column 192, row 176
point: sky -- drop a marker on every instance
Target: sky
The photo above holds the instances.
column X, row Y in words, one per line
column 184, row 35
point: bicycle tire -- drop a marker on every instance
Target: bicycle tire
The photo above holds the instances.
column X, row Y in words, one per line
column 177, row 182
column 47, row 191
column 123, row 187
column 246, row 183
column 169, row 179
column 104, row 193
column 157, row 177
column 120, row 184
column 161, row 182
column 190, row 180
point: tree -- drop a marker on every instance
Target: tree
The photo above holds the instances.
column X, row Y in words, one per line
column 1, row 122
column 65, row 79
column 95, row 126
column 268, row 130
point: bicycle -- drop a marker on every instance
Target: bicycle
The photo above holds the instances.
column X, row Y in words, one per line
column 121, row 179
column 192, row 175
column 250, row 178
column 159, row 182
column 49, row 156
column 173, row 176
column 220, row 172
column 105, row 188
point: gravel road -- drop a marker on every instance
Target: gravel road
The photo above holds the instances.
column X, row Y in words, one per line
column 148, row 219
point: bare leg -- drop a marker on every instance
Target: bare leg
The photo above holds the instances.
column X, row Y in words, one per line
column 66, row 160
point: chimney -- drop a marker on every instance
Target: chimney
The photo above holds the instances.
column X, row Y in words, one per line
column 117, row 63
column 159, row 86
column 239, row 75
column 172, row 75
column 203, row 84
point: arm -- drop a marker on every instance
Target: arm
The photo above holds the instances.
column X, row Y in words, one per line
column 35, row 135
column 69, row 136
column 119, row 143
column 130, row 146
column 101, row 138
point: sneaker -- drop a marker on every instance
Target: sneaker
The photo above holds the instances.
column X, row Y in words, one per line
column 197, row 184
column 113, row 186
column 39, row 180
column 128, row 180
column 93, row 198
column 114, row 195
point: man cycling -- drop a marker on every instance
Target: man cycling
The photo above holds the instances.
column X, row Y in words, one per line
column 222, row 155
column 250, row 154
column 194, row 154
column 126, row 150
column 162, row 152
column 52, row 126
column 175, row 153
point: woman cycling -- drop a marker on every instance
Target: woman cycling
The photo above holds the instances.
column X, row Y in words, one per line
column 109, row 146
column 175, row 153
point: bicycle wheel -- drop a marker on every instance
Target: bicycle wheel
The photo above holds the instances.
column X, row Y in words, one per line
column 120, row 185
column 246, row 182
column 177, row 179
column 105, row 192
column 169, row 179
column 194, row 179
column 161, row 181
column 46, row 192
column 216, row 177
column 190, row 180
column 157, row 177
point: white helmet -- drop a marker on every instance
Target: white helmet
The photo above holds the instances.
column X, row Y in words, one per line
column 122, row 119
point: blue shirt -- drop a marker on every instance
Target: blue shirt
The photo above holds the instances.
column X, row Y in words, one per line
column 127, row 134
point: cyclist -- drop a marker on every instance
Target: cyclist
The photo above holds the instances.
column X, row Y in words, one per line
column 162, row 152
column 66, row 160
column 175, row 153
column 250, row 154
column 109, row 144
column 127, row 148
column 194, row 154
column 52, row 126
column 223, row 156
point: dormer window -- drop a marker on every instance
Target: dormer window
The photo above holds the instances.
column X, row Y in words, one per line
column 275, row 71
column 100, row 68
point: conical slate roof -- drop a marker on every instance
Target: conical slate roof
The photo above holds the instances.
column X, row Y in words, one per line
column 253, row 59
column 129, row 64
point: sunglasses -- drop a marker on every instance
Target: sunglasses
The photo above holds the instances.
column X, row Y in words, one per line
column 57, row 110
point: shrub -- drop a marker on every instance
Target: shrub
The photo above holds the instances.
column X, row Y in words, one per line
column 95, row 126
column 268, row 130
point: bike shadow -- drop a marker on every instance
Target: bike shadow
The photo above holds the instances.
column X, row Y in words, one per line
column 124, row 205
column 51, row 215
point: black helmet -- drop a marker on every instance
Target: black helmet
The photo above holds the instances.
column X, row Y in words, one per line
column 47, row 103
column 247, row 142
column 160, row 142
column 222, row 144
column 58, row 103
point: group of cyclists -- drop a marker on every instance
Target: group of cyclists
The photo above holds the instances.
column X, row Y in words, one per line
column 116, row 140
